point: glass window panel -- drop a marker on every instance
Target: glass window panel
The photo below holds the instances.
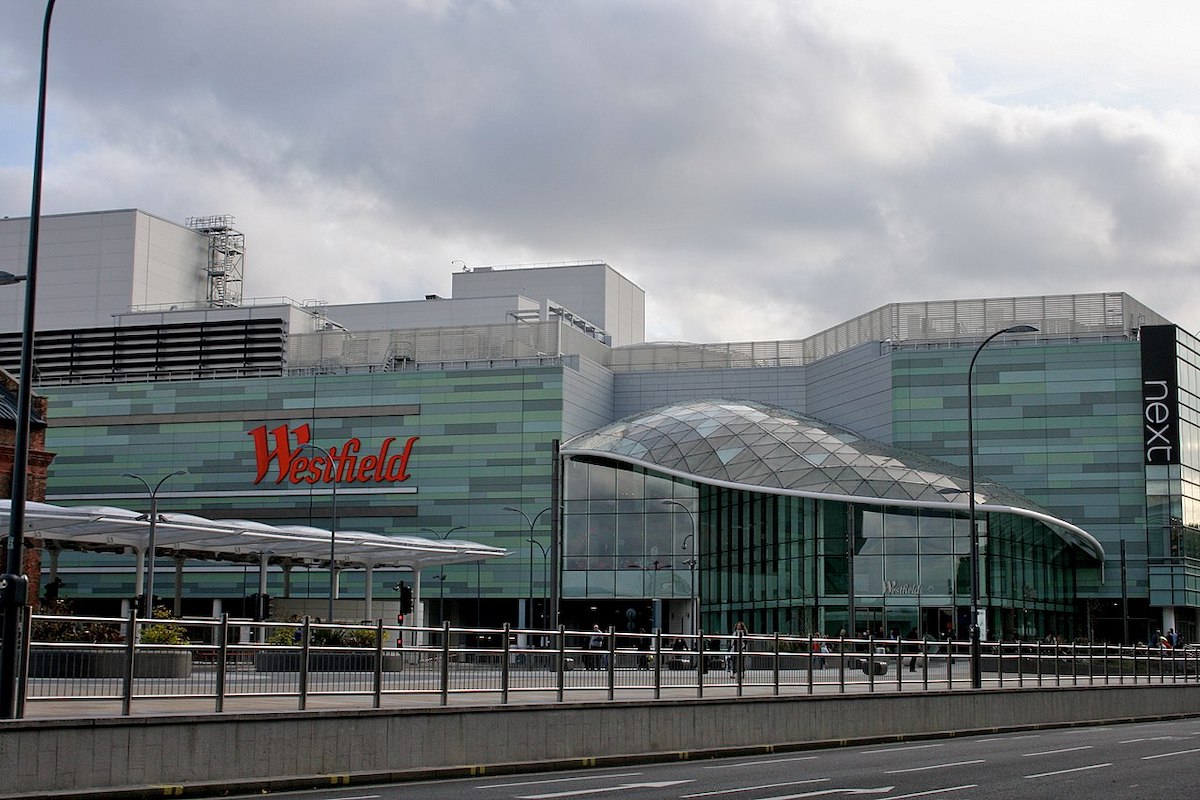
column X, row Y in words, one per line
column 629, row 583
column 576, row 478
column 936, row 574
column 900, row 575
column 630, row 535
column 868, row 575
column 574, row 583
column 629, row 491
column 663, row 488
column 660, row 534
column 900, row 525
column 871, row 525
column 602, row 483
column 602, row 584
column 575, row 535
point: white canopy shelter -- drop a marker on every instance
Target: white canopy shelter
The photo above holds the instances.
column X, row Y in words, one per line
column 110, row 529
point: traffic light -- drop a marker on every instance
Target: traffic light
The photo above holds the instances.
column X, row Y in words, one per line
column 259, row 606
column 406, row 599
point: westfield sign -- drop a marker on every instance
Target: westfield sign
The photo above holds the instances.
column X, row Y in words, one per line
column 273, row 450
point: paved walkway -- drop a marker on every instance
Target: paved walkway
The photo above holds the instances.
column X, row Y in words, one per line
column 100, row 698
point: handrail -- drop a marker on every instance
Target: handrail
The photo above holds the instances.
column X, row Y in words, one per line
column 370, row 663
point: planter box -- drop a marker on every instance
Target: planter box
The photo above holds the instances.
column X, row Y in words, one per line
column 289, row 661
column 58, row 662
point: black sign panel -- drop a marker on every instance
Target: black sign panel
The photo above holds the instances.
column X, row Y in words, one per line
column 1160, row 395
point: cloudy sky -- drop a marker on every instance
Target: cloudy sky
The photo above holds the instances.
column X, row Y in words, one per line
column 762, row 169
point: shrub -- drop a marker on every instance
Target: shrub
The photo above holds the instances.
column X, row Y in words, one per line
column 45, row 630
column 284, row 636
column 343, row 637
column 162, row 633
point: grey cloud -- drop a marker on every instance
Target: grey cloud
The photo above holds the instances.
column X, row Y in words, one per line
column 765, row 160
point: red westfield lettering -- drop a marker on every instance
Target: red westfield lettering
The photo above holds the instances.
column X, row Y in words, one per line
column 344, row 464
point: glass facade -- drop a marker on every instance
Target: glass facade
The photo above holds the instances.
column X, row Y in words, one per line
column 483, row 441
column 798, row 561
column 1064, row 424
column 1173, row 489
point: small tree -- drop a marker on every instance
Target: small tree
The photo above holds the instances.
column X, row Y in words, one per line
column 52, row 630
column 162, row 633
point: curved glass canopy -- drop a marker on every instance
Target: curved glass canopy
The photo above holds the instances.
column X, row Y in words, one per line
column 763, row 448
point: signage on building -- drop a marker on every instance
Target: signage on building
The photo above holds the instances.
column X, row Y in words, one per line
column 1160, row 395
column 275, row 452
column 895, row 588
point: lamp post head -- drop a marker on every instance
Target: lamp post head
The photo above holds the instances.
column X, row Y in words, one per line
column 8, row 279
column 1020, row 329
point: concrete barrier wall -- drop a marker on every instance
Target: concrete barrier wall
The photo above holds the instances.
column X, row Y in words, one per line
column 268, row 750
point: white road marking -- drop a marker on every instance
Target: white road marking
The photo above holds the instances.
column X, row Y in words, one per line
column 596, row 777
column 935, row 766
column 934, row 791
column 604, row 789
column 765, row 761
column 1176, row 753
column 1008, row 738
column 1065, row 771
column 1056, row 752
column 906, row 747
column 755, row 788
column 820, row 792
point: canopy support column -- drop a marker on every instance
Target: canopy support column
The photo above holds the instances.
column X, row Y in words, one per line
column 177, row 609
column 368, row 594
column 139, row 572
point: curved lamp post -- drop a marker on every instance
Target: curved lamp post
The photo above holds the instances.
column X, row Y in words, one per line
column 332, row 524
column 442, row 572
column 14, row 586
column 147, row 600
column 693, row 563
column 976, row 668
column 545, row 579
column 532, row 524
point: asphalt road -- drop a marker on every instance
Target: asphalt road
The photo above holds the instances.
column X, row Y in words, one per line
column 1152, row 760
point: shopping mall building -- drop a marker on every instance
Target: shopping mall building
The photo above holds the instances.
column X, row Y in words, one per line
column 807, row 485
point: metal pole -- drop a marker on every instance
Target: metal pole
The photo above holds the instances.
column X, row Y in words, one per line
column 1124, row 598
column 14, row 586
column 693, row 562
column 442, row 571
column 333, row 482
column 976, row 654
column 147, row 599
column 532, row 524
column 545, row 564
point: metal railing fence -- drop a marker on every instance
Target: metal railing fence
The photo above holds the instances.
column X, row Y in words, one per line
column 218, row 662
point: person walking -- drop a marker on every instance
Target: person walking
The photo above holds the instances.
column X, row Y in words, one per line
column 737, row 647
column 914, row 648
column 596, row 646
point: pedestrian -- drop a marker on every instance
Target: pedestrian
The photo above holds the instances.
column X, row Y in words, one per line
column 914, row 648
column 737, row 646
column 596, row 646
column 644, row 644
column 52, row 589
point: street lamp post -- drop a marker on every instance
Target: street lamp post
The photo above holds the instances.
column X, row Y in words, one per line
column 693, row 563
column 545, row 572
column 442, row 572
column 333, row 482
column 147, row 600
column 532, row 524
column 976, row 667
column 14, row 585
